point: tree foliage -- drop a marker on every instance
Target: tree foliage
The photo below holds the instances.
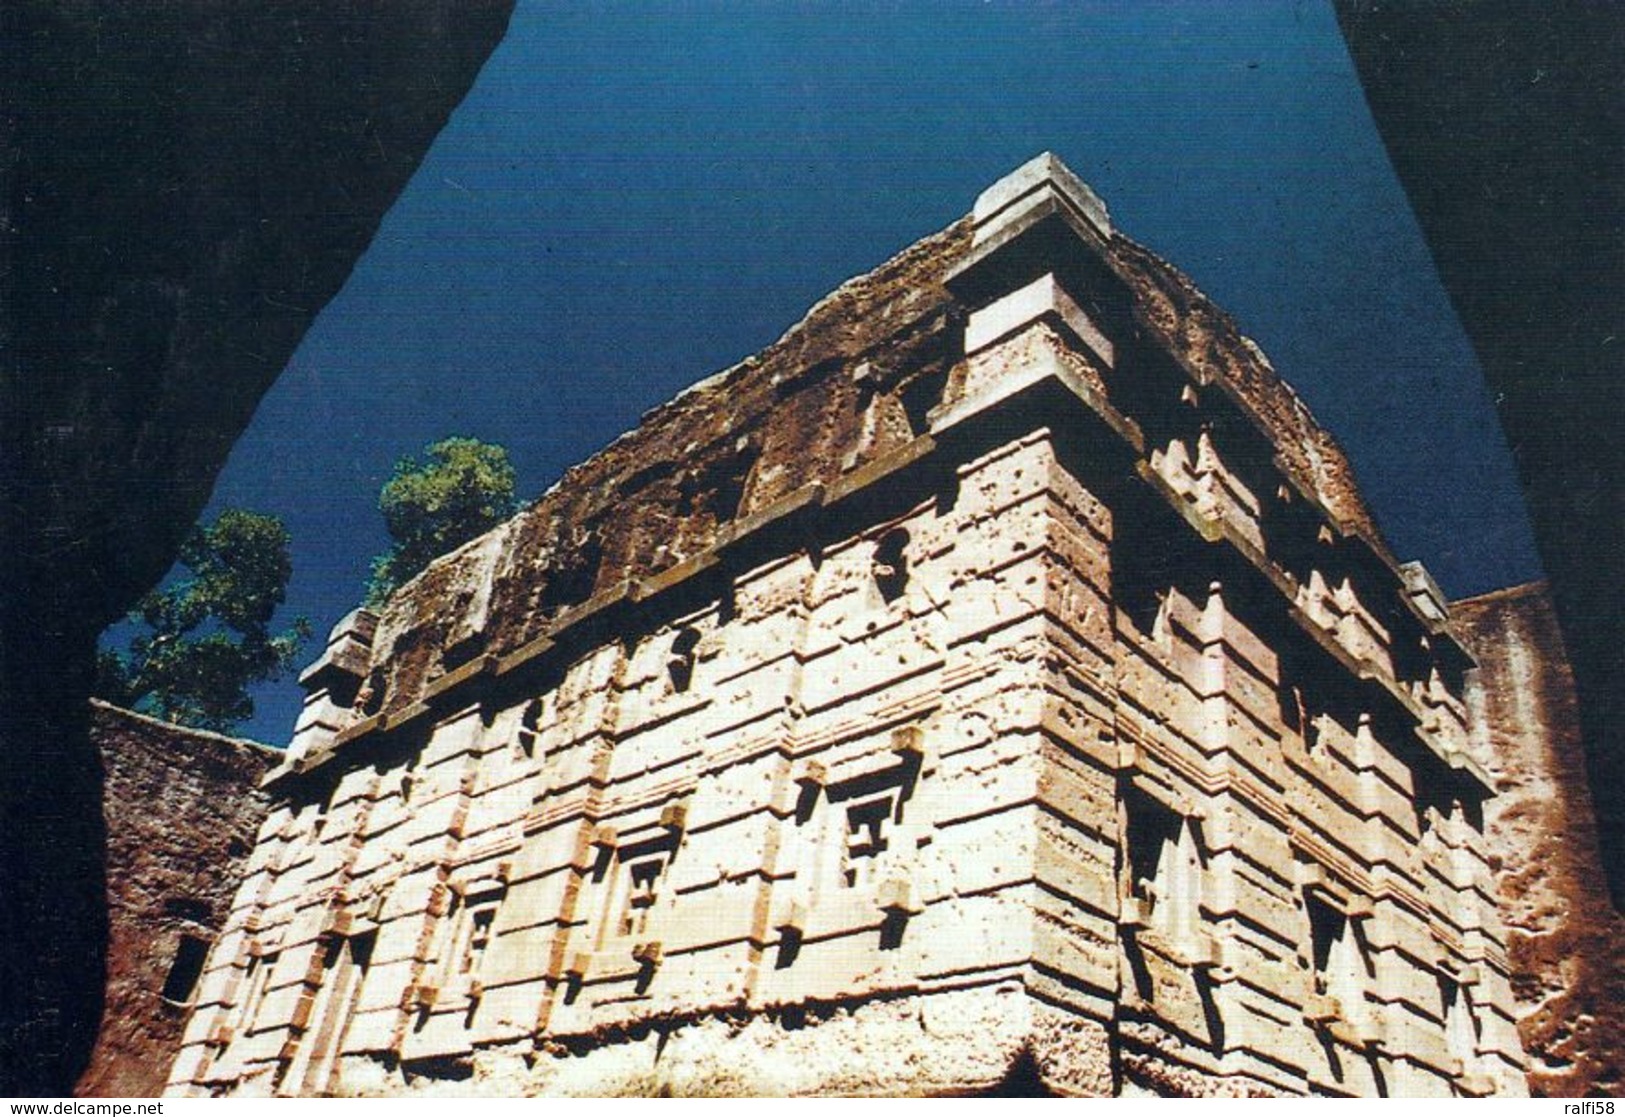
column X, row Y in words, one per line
column 204, row 638
column 461, row 489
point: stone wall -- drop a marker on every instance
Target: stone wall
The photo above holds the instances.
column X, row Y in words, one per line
column 183, row 808
column 998, row 683
column 1566, row 940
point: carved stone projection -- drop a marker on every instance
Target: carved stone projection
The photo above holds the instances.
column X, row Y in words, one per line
column 995, row 684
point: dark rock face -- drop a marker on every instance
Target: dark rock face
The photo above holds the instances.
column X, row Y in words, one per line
column 1506, row 124
column 1565, row 941
column 184, row 186
column 182, row 808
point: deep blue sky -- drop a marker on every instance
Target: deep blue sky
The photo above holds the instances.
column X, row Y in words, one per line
column 633, row 197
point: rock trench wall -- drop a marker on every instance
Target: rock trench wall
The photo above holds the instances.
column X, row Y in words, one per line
column 183, row 808
column 1565, row 939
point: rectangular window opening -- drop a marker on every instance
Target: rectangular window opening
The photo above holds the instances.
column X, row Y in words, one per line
column 187, row 967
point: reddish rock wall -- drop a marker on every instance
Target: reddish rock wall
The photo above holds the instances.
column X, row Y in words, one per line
column 1565, row 940
column 182, row 807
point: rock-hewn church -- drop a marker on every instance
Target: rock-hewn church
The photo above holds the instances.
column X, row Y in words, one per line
column 997, row 683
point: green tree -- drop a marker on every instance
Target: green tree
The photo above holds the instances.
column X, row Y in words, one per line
column 461, row 489
column 204, row 638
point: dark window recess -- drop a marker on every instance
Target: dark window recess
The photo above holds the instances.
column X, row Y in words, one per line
column 1151, row 826
column 463, row 651
column 1472, row 810
column 371, row 696
column 642, row 890
column 647, row 476
column 891, row 564
column 918, row 397
column 479, row 937
column 344, row 689
column 1313, row 701
column 186, row 969
column 187, row 907
column 681, row 664
column 528, row 723
column 730, row 492
column 1411, row 653
column 1326, row 926
column 1153, row 554
column 1297, row 713
column 716, row 486
column 865, row 837
column 1441, row 796
column 572, row 582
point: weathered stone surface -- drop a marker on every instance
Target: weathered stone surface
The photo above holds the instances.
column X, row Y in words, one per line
column 1566, row 941
column 1067, row 676
column 186, row 184
column 183, row 808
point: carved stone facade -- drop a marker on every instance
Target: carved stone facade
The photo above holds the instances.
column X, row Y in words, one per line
column 995, row 684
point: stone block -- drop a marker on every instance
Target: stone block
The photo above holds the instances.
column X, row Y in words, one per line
column 1044, row 299
column 1078, row 867
column 724, row 913
column 508, row 1012
column 1075, row 941
column 438, row 1035
column 371, row 1030
column 1043, row 176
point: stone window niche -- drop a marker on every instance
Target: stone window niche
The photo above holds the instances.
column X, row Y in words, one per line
column 891, row 564
column 369, row 697
column 184, row 971
column 1166, row 872
column 680, row 664
column 719, row 487
column 1461, row 1030
column 257, row 981
column 571, row 579
column 471, row 919
column 1341, row 973
column 628, row 880
column 854, row 840
column 345, row 960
